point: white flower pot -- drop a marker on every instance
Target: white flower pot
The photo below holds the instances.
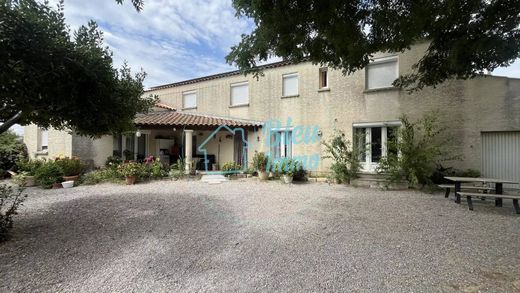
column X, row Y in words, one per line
column 287, row 179
column 67, row 184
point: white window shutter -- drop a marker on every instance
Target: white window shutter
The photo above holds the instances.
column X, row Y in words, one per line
column 290, row 85
column 189, row 100
column 381, row 74
column 239, row 94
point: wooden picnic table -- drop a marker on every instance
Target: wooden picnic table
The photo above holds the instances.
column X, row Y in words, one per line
column 499, row 185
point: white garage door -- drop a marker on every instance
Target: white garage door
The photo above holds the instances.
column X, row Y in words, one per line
column 501, row 155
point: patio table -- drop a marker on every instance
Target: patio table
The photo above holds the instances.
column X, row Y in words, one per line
column 499, row 185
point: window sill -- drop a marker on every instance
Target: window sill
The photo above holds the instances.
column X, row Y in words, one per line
column 292, row 96
column 325, row 89
column 41, row 153
column 190, row 108
column 239, row 106
column 383, row 89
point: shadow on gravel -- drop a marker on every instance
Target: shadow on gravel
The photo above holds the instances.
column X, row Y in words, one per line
column 134, row 236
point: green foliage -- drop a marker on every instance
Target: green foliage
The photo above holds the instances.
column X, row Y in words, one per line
column 156, row 169
column 29, row 166
column 10, row 200
column 260, row 161
column 177, row 170
column 345, row 162
column 420, row 150
column 48, row 174
column 466, row 38
column 138, row 4
column 53, row 79
column 12, row 149
column 132, row 169
column 231, row 166
column 113, row 161
column 102, row 175
column 287, row 166
column 71, row 166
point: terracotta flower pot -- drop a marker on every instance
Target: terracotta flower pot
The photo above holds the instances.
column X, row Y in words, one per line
column 56, row 185
column 130, row 180
column 263, row 175
column 71, row 178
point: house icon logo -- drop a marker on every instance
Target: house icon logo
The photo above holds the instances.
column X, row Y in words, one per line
column 235, row 131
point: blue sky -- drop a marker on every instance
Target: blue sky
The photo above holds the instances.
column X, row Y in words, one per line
column 172, row 40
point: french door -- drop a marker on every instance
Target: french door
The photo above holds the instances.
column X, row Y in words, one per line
column 373, row 144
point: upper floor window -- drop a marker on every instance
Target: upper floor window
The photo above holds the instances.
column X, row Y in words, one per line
column 43, row 139
column 189, row 100
column 381, row 73
column 324, row 78
column 290, row 85
column 239, row 94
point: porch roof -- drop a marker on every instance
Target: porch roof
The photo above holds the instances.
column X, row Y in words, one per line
column 174, row 118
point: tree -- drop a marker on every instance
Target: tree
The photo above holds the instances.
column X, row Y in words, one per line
column 466, row 38
column 53, row 79
column 138, row 4
column 12, row 149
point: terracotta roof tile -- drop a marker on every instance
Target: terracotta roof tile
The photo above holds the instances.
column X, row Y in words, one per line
column 190, row 119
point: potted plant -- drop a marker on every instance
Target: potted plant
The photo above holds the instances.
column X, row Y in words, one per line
column 287, row 168
column 26, row 171
column 49, row 175
column 72, row 168
column 131, row 171
column 259, row 164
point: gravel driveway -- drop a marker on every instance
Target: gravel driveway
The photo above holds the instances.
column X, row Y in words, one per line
column 257, row 236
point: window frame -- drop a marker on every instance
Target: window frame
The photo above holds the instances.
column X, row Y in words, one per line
column 320, row 80
column 378, row 61
column 184, row 94
column 43, row 147
column 286, row 149
column 289, row 75
column 238, row 84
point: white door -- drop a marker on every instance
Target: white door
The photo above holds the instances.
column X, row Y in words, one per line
column 501, row 155
column 374, row 139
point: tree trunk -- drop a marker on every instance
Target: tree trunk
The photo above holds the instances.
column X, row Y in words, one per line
column 10, row 122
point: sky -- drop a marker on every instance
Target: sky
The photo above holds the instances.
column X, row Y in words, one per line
column 172, row 40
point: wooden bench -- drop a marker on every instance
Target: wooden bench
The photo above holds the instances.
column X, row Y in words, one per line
column 498, row 199
column 448, row 187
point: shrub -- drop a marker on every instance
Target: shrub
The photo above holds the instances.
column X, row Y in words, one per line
column 420, row 151
column 71, row 166
column 156, row 169
column 345, row 162
column 287, row 166
column 102, row 175
column 260, row 161
column 132, row 169
column 12, row 149
column 180, row 165
column 48, row 174
column 29, row 166
column 113, row 161
column 10, row 200
column 230, row 166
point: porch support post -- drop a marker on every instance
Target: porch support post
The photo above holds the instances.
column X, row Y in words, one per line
column 188, row 150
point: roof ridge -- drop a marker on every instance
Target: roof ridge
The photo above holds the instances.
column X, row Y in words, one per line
column 223, row 74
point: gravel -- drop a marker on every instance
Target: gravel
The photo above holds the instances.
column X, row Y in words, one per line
column 257, row 236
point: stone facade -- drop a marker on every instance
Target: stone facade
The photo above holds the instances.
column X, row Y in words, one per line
column 466, row 107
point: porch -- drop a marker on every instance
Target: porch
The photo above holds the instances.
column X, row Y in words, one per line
column 204, row 142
